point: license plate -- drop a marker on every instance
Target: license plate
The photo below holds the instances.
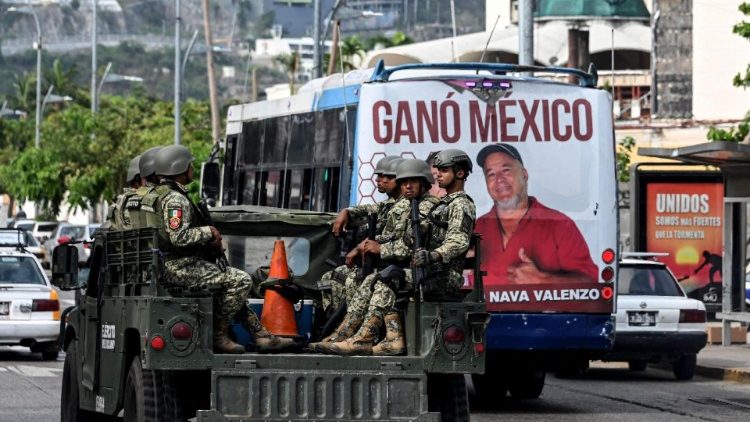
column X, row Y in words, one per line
column 4, row 308
column 642, row 319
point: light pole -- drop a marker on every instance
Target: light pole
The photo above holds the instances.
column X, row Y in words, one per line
column 94, row 100
column 328, row 23
column 177, row 72
column 38, row 47
column 113, row 77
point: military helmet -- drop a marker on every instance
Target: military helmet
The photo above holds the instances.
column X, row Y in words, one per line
column 385, row 164
column 390, row 170
column 451, row 157
column 414, row 168
column 146, row 164
column 173, row 160
column 133, row 169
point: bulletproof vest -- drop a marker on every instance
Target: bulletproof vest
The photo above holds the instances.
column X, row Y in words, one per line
column 438, row 217
column 119, row 216
column 165, row 245
column 148, row 213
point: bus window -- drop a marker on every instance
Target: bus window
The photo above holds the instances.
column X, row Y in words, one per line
column 299, row 187
column 325, row 196
column 261, row 178
column 252, row 138
column 249, row 189
column 275, row 141
column 273, row 189
column 329, row 137
column 302, row 134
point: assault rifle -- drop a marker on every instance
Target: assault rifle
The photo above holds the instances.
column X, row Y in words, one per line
column 369, row 260
column 218, row 253
column 420, row 273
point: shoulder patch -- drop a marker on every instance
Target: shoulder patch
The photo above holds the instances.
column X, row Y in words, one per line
column 175, row 217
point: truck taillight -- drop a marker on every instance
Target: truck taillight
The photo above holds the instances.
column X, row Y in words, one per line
column 182, row 331
column 607, row 292
column 608, row 273
column 454, row 334
column 157, row 342
column 692, row 315
column 608, row 256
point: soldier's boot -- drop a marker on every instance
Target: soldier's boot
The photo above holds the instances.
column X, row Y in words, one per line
column 265, row 341
column 358, row 345
column 222, row 342
column 393, row 344
column 346, row 329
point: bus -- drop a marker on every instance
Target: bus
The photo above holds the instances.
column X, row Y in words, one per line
column 543, row 184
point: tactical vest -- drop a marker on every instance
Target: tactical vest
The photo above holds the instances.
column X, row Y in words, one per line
column 438, row 219
column 119, row 216
column 165, row 244
column 149, row 214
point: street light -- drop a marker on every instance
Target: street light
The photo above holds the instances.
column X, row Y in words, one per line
column 112, row 77
column 51, row 98
column 38, row 47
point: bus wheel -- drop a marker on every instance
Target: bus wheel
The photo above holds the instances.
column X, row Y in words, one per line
column 447, row 395
column 150, row 396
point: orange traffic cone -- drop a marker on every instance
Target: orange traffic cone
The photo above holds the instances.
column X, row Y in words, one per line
column 278, row 312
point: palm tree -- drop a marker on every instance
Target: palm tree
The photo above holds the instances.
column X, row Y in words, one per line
column 290, row 65
column 351, row 47
column 62, row 79
column 25, row 92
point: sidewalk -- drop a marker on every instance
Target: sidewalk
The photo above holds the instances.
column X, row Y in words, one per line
column 731, row 363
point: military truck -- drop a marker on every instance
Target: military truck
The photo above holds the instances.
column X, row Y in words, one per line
column 141, row 349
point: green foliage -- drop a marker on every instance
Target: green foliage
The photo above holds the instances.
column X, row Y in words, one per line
column 624, row 150
column 743, row 29
column 733, row 134
column 36, row 175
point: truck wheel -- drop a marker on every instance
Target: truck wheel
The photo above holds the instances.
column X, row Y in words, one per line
column 528, row 385
column 684, row 367
column 69, row 410
column 637, row 365
column 489, row 390
column 150, row 396
column 447, row 395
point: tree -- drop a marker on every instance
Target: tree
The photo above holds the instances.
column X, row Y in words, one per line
column 351, row 47
column 290, row 65
column 624, row 150
column 743, row 29
column 25, row 95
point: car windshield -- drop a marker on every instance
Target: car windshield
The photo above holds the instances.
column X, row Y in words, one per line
column 10, row 237
column 647, row 280
column 19, row 270
column 48, row 227
column 76, row 232
column 25, row 226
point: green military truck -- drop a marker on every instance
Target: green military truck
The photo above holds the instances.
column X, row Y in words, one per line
column 141, row 349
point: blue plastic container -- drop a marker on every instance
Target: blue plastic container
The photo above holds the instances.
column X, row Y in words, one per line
column 303, row 314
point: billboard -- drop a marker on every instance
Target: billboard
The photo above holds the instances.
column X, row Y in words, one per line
column 684, row 219
column 543, row 181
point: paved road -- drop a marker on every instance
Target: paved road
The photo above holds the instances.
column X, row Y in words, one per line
column 609, row 392
column 30, row 392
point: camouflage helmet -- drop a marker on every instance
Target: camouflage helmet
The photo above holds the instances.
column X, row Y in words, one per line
column 146, row 164
column 390, row 170
column 385, row 165
column 451, row 157
column 133, row 169
column 414, row 168
column 173, row 160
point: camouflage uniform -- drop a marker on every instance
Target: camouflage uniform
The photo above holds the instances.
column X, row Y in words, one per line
column 451, row 224
column 344, row 280
column 375, row 300
column 184, row 240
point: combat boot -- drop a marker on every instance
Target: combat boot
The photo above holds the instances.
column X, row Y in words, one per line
column 393, row 344
column 265, row 341
column 346, row 329
column 222, row 342
column 360, row 344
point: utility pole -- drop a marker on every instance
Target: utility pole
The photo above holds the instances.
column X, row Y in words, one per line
column 177, row 73
column 316, row 38
column 215, row 131
column 93, row 56
column 526, row 33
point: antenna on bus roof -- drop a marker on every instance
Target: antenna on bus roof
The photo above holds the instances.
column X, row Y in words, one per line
column 487, row 44
column 346, row 109
column 453, row 23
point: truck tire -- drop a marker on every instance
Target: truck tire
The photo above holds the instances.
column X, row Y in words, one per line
column 447, row 394
column 489, row 390
column 527, row 385
column 151, row 396
column 69, row 410
column 637, row 365
column 684, row 367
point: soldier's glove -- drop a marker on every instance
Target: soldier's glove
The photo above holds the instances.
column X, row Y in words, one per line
column 423, row 258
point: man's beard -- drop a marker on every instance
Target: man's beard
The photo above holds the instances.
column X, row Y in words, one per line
column 513, row 202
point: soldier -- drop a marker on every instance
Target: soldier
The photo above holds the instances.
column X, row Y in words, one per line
column 118, row 217
column 375, row 297
column 184, row 241
column 344, row 278
column 451, row 222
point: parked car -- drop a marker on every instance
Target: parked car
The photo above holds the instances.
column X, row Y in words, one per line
column 656, row 321
column 27, row 225
column 43, row 230
column 12, row 238
column 29, row 305
column 64, row 233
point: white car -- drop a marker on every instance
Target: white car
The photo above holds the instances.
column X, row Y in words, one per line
column 13, row 238
column 656, row 321
column 29, row 305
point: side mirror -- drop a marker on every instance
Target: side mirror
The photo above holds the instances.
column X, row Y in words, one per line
column 210, row 181
column 65, row 267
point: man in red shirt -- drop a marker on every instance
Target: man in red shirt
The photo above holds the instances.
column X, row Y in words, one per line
column 523, row 241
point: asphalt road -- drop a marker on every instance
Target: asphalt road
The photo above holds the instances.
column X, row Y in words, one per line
column 30, row 392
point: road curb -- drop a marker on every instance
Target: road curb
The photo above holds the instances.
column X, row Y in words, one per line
column 740, row 375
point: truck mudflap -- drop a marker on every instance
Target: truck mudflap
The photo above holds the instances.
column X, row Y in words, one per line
column 322, row 395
